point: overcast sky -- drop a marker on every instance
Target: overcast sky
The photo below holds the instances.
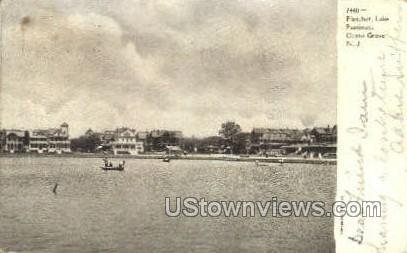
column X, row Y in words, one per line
column 170, row 64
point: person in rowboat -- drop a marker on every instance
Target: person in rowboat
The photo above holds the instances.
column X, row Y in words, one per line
column 105, row 161
column 121, row 165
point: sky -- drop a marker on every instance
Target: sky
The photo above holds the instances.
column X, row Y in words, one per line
column 170, row 64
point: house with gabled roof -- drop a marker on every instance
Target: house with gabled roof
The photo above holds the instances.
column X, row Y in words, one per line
column 13, row 140
column 125, row 142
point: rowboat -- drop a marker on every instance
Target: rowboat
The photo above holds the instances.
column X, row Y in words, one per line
column 112, row 168
column 109, row 166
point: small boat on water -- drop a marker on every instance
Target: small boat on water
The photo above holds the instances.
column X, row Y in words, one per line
column 109, row 166
column 166, row 158
column 112, row 168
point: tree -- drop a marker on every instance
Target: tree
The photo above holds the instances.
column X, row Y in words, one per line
column 85, row 143
column 228, row 131
column 241, row 143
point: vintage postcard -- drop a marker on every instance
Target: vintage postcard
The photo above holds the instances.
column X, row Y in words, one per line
column 203, row 126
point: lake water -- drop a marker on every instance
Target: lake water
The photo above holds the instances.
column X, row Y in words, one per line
column 112, row 211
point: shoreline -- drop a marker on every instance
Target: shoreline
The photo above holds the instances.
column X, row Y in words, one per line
column 231, row 158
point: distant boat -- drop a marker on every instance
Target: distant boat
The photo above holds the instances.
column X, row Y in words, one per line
column 109, row 166
column 112, row 167
column 167, row 157
column 281, row 161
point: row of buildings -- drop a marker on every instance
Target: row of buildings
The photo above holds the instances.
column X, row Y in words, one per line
column 263, row 139
column 318, row 140
column 52, row 140
column 126, row 140
column 270, row 141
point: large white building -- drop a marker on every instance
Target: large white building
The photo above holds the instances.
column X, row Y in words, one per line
column 126, row 142
column 53, row 140
column 38, row 142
